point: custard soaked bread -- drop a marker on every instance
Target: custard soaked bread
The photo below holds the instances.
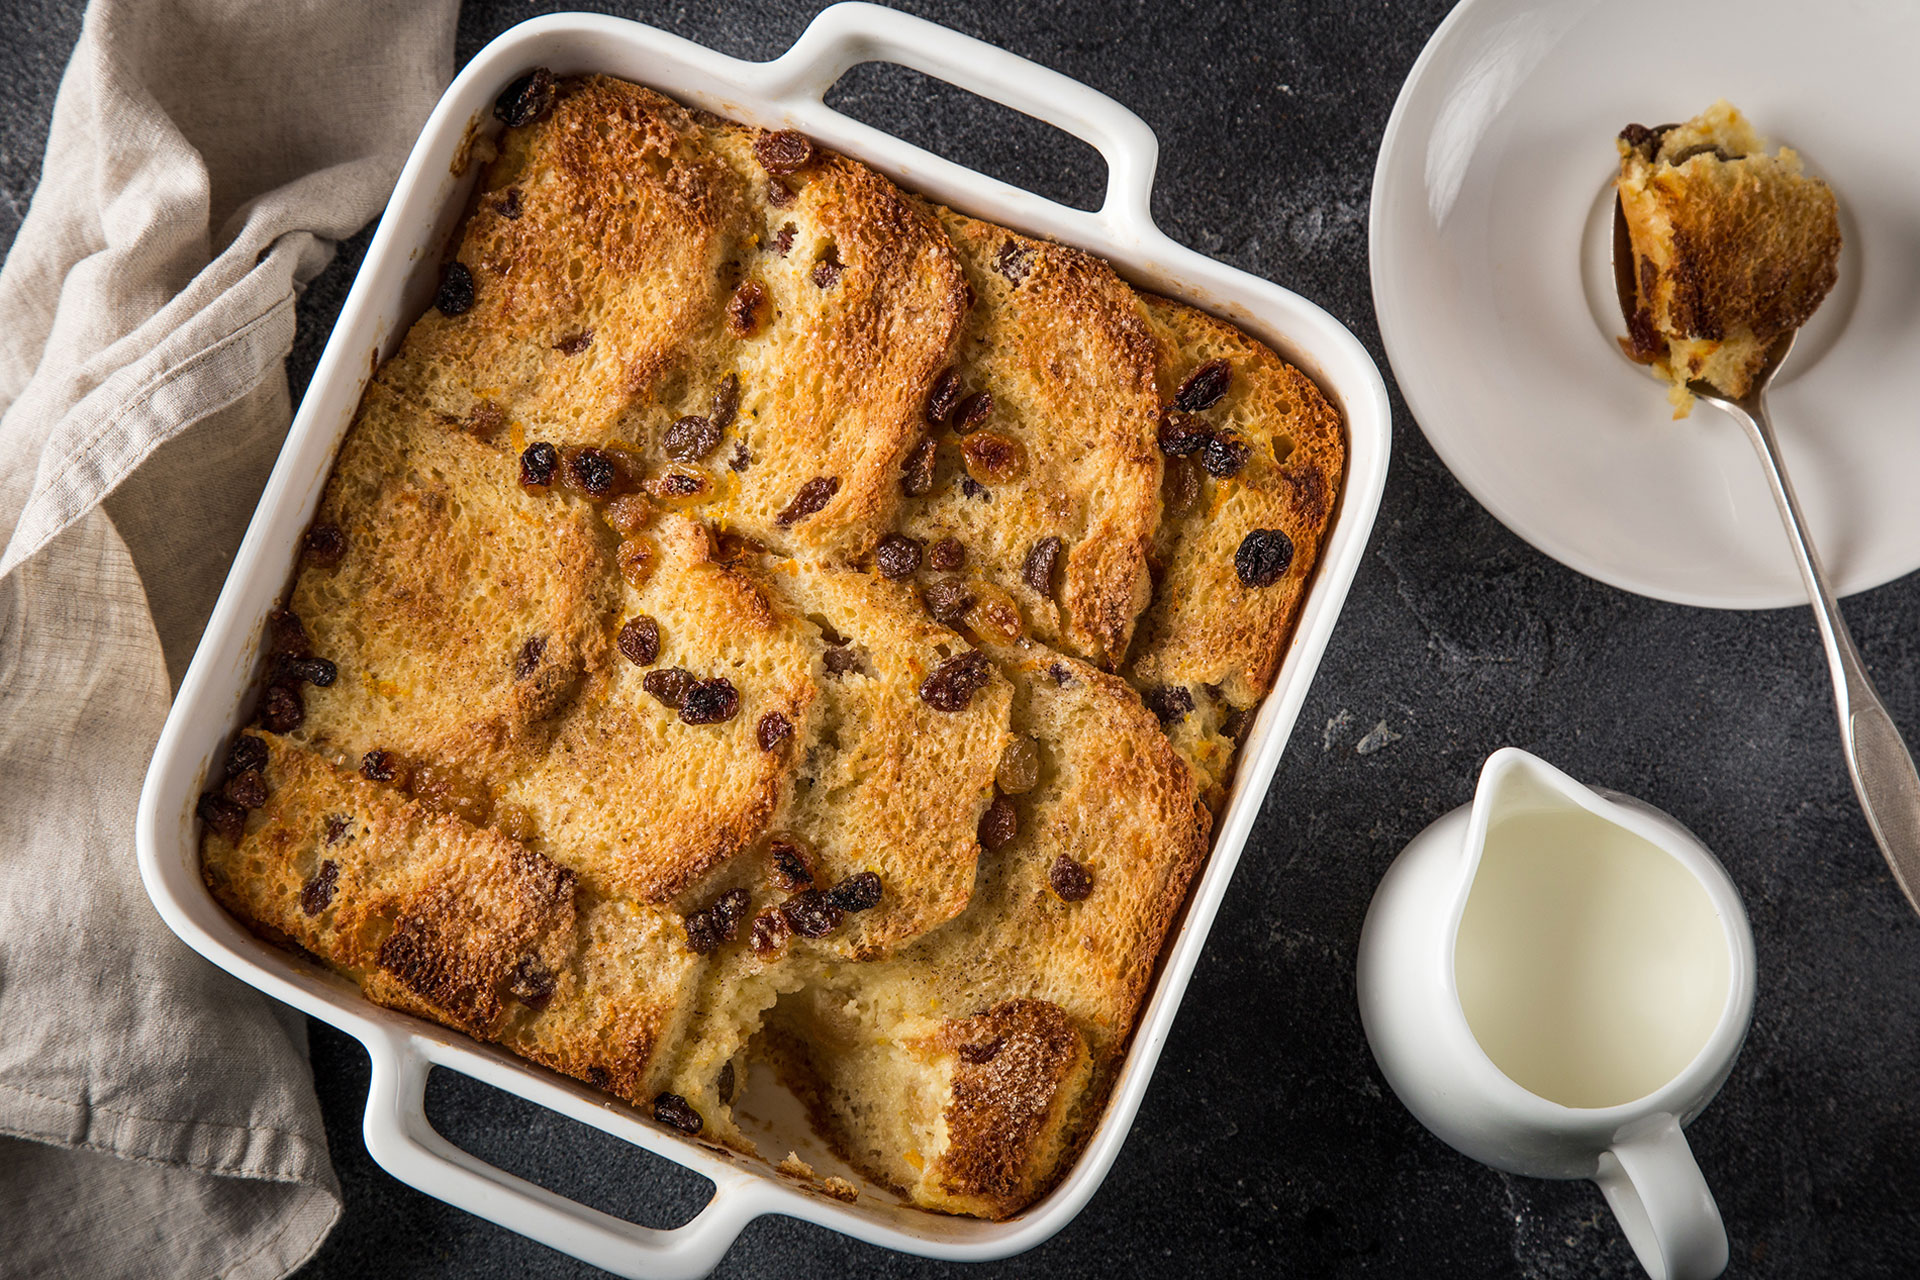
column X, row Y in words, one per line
column 759, row 617
column 1732, row 248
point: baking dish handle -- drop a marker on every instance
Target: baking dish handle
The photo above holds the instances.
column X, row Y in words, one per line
column 845, row 35
column 403, row 1141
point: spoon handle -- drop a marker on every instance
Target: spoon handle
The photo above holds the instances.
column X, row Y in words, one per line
column 1877, row 756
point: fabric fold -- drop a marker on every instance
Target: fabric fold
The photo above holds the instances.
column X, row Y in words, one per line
column 157, row 1117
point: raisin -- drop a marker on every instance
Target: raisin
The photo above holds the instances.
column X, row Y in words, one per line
column 382, row 766
column 783, row 242
column 286, row 634
column 514, row 822
column 789, row 866
column 691, row 438
column 538, row 464
column 999, row 824
column 455, row 295
column 1019, row 768
column 728, row 911
column 292, row 671
column 1263, row 558
column 840, row 659
column 770, row 933
column 640, row 641
column 531, row 983
column 897, row 556
column 1224, row 454
column 703, row 934
column 527, row 661
column 336, row 827
column 974, row 489
column 944, row 396
column 1181, row 490
column 1204, row 386
column 592, row 472
column 826, row 273
column 994, row 458
column 246, row 789
column 678, row 484
column 916, row 476
column 325, row 546
column 811, row 914
column 726, row 402
column 1038, row 570
column 1170, row 703
column 1062, row 676
column 710, row 701
column 780, row 196
column 509, row 205
column 724, row 1083
column 599, row 1077
column 281, row 710
column 947, row 555
column 223, row 816
column 1235, row 725
column 668, row 686
column 574, row 345
column 954, row 682
column 783, row 151
column 858, row 892
column 526, row 99
column 813, row 495
column 1181, row 433
column 247, row 752
column 485, row 419
column 730, row 547
column 772, row 730
column 1636, row 136
column 316, row 895
column 747, row 309
column 947, row 600
column 672, row 1109
column 740, row 458
column 971, row 414
column 1071, row 880
column 981, row 1054
column 1013, row 261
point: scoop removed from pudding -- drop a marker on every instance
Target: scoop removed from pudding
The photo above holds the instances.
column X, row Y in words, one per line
column 1732, row 248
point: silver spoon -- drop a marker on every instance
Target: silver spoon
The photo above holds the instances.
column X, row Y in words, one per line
column 1877, row 756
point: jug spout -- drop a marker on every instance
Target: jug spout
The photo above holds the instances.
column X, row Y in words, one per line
column 1513, row 783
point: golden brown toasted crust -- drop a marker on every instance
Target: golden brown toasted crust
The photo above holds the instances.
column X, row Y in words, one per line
column 464, row 612
column 1058, row 342
column 888, row 783
column 1018, row 1068
column 919, row 853
column 596, row 256
column 1732, row 247
column 1208, row 635
column 454, row 922
column 630, row 794
column 866, row 300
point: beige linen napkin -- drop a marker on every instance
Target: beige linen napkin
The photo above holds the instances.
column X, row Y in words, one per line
column 157, row 1118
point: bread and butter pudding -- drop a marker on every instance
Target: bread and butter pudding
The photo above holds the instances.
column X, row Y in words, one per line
column 1732, row 248
column 759, row 616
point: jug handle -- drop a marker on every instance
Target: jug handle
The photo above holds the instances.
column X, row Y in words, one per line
column 1650, row 1179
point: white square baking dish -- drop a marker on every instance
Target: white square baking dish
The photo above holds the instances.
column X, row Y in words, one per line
column 395, row 284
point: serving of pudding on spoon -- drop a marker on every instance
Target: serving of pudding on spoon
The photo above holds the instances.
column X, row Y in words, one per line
column 1720, row 253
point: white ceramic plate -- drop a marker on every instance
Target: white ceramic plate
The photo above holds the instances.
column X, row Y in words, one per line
column 1490, row 235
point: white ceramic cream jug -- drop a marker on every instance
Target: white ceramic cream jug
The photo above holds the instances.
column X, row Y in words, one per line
column 1554, row 981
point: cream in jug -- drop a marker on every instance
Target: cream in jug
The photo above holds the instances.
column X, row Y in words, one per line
column 1590, row 963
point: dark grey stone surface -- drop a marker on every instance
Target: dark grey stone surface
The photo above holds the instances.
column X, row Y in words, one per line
column 1268, row 1138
